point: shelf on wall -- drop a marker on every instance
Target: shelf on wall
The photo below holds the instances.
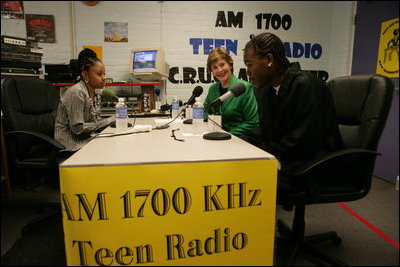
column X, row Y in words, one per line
column 113, row 84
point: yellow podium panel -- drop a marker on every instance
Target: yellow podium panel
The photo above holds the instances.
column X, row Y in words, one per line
column 208, row 213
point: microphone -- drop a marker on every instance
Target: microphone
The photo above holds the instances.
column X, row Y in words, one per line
column 157, row 91
column 236, row 91
column 109, row 94
column 197, row 91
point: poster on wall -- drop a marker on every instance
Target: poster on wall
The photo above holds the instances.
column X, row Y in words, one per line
column 116, row 32
column 12, row 9
column 40, row 28
column 388, row 53
column 97, row 49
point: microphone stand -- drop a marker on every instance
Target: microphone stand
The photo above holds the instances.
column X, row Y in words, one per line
column 133, row 113
column 216, row 135
column 166, row 125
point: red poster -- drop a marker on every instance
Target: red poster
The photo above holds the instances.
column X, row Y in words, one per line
column 40, row 28
column 12, row 9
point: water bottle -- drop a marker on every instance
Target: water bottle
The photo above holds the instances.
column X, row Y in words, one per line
column 175, row 107
column 189, row 112
column 121, row 115
column 198, row 111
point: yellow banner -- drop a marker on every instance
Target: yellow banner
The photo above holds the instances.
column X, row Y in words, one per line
column 97, row 49
column 209, row 213
column 388, row 54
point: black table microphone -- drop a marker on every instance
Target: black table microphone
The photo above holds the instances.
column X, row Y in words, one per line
column 235, row 91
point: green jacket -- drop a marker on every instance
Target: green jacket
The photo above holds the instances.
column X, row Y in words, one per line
column 239, row 114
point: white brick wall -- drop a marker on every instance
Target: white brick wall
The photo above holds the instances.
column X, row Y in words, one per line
column 342, row 34
column 58, row 52
column 170, row 24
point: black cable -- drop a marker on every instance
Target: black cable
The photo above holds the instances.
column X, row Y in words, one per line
column 215, row 121
column 166, row 125
column 118, row 134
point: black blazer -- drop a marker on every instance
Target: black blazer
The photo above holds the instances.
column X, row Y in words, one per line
column 300, row 122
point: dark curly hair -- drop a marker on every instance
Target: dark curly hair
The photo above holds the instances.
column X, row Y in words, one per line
column 268, row 43
column 86, row 59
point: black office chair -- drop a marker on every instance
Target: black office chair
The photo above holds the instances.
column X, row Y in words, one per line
column 29, row 107
column 362, row 104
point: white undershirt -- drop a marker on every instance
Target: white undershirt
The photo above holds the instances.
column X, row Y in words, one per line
column 277, row 89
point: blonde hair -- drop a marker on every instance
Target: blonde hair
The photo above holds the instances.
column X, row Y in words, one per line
column 218, row 53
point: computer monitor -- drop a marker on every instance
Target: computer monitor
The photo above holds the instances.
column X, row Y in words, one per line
column 148, row 64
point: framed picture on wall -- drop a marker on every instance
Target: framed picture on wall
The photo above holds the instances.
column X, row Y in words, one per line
column 12, row 9
column 91, row 3
column 40, row 28
column 116, row 32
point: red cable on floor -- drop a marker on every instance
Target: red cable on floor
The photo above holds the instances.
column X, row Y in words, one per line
column 369, row 225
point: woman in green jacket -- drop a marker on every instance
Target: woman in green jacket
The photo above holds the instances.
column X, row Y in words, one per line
column 239, row 114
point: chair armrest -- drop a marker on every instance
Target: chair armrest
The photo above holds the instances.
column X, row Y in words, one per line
column 331, row 156
column 44, row 137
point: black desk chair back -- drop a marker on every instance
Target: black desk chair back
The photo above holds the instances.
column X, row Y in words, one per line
column 362, row 104
column 29, row 107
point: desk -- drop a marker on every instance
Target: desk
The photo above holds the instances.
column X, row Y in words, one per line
column 147, row 198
